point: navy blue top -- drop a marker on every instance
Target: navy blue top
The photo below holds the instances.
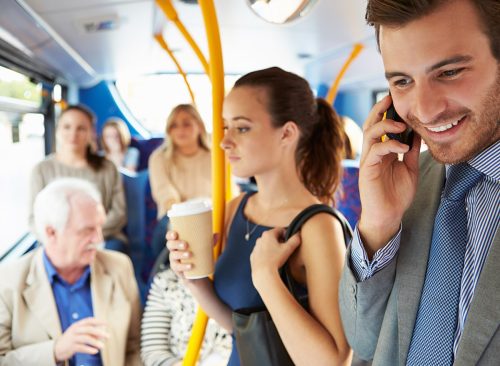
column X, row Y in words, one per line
column 74, row 302
column 233, row 277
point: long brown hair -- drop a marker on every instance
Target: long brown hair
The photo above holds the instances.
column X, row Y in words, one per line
column 95, row 161
column 320, row 148
column 399, row 12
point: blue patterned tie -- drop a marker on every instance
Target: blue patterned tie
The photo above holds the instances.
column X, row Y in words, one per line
column 434, row 332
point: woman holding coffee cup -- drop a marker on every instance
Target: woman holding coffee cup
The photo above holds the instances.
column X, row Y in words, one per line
column 179, row 169
column 292, row 143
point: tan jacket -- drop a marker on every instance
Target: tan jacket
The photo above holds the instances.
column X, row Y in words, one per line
column 29, row 321
column 188, row 178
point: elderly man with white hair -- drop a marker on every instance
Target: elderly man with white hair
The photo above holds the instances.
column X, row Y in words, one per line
column 69, row 302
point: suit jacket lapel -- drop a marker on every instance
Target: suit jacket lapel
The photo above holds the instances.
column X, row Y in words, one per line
column 416, row 237
column 101, row 285
column 484, row 312
column 40, row 298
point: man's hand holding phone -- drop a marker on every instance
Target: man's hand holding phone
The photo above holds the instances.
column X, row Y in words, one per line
column 406, row 137
column 387, row 186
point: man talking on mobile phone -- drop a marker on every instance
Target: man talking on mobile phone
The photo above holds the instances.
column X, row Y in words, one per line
column 421, row 284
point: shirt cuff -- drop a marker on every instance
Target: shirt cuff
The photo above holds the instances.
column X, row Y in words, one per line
column 361, row 266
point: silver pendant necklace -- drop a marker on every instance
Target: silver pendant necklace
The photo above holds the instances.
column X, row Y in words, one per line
column 250, row 232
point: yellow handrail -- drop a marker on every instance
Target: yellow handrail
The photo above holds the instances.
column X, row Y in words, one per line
column 161, row 41
column 332, row 93
column 216, row 74
column 171, row 13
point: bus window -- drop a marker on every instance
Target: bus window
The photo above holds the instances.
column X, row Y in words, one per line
column 21, row 147
column 150, row 98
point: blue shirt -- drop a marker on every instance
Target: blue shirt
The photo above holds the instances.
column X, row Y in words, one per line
column 74, row 302
column 483, row 217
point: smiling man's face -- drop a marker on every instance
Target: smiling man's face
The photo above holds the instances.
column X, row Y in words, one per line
column 445, row 81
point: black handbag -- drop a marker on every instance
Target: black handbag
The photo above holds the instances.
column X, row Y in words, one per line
column 257, row 338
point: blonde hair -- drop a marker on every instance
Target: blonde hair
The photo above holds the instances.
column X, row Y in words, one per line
column 169, row 146
column 353, row 138
column 123, row 132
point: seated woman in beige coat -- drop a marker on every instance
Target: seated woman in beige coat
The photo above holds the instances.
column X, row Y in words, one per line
column 179, row 169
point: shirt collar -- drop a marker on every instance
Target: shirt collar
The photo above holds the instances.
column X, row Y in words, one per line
column 53, row 275
column 486, row 162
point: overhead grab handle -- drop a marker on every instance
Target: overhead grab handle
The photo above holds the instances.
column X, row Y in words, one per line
column 332, row 93
column 163, row 44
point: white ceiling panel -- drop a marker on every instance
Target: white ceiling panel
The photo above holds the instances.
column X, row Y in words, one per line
column 248, row 43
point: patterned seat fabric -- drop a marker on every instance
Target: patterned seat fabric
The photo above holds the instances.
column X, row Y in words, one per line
column 347, row 199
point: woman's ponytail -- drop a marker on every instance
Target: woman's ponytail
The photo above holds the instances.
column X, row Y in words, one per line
column 320, row 153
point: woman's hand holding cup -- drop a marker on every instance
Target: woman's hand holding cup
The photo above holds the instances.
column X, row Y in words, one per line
column 191, row 222
column 179, row 250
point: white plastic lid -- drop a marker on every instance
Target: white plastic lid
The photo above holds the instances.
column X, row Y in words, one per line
column 191, row 207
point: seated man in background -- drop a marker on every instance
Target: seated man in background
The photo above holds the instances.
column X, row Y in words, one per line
column 68, row 301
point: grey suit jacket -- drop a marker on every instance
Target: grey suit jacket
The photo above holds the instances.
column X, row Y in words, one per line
column 379, row 314
column 29, row 321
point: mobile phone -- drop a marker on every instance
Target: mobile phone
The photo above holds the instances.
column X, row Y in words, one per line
column 406, row 137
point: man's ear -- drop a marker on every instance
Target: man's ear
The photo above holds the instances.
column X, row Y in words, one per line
column 50, row 232
column 290, row 132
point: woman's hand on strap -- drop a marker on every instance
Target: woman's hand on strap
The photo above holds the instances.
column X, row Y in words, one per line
column 271, row 253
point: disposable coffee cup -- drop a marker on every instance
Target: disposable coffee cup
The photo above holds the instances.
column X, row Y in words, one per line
column 192, row 220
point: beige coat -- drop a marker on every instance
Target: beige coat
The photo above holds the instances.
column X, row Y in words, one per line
column 188, row 178
column 29, row 321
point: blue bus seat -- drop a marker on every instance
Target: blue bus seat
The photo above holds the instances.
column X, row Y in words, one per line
column 141, row 220
column 348, row 201
column 145, row 147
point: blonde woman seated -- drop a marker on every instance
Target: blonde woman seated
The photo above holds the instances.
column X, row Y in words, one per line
column 167, row 322
column 115, row 141
column 179, row 170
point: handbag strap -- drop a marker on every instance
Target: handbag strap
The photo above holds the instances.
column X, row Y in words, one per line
column 295, row 227
column 312, row 210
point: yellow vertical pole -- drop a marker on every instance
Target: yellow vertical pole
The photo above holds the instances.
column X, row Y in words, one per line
column 332, row 93
column 217, row 78
column 218, row 169
column 229, row 186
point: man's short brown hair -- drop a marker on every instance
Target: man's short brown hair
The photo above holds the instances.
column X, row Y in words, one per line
column 400, row 12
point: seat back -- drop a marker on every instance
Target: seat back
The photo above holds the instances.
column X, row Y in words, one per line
column 145, row 147
column 348, row 201
column 141, row 220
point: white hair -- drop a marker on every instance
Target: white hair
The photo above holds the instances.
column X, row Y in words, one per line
column 52, row 206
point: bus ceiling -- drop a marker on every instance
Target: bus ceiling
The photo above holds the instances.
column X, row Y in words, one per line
column 86, row 41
